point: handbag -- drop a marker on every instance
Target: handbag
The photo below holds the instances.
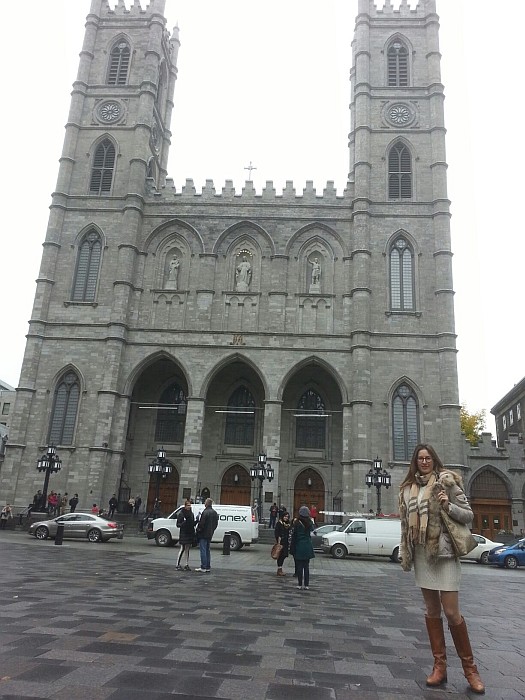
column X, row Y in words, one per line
column 460, row 535
column 276, row 550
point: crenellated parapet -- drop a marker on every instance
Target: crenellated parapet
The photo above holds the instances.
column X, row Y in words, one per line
column 248, row 193
column 131, row 8
column 401, row 9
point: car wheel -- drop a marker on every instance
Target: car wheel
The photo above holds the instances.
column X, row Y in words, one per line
column 511, row 563
column 484, row 558
column 42, row 533
column 235, row 542
column 163, row 538
column 94, row 535
column 338, row 551
column 395, row 556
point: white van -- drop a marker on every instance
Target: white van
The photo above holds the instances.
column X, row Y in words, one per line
column 240, row 521
column 380, row 537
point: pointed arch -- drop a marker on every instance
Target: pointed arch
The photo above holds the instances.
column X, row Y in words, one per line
column 405, row 419
column 314, row 360
column 398, row 61
column 401, row 272
column 119, row 62
column 87, row 267
column 240, row 229
column 400, row 175
column 162, row 236
column 150, row 360
column 230, row 359
column 65, row 408
column 103, row 166
column 315, row 226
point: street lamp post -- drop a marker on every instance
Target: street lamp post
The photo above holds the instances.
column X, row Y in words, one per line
column 262, row 470
column 49, row 463
column 161, row 468
column 378, row 477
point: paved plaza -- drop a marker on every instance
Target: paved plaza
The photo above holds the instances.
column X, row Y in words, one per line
column 115, row 621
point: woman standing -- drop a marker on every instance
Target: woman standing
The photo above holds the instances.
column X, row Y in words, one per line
column 282, row 532
column 301, row 547
column 427, row 488
column 186, row 525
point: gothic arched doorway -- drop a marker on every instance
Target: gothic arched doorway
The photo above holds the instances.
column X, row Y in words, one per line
column 236, row 486
column 168, row 492
column 491, row 504
column 309, row 491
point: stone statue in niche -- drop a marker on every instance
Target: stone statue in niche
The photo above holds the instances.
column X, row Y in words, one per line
column 243, row 275
column 173, row 273
column 315, row 284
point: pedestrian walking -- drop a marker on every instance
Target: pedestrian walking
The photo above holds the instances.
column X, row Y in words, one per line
column 113, row 503
column 52, row 503
column 131, row 504
column 63, row 504
column 427, row 489
column 138, row 503
column 5, row 515
column 186, row 525
column 37, row 501
column 206, row 526
column 73, row 503
column 301, row 547
column 282, row 537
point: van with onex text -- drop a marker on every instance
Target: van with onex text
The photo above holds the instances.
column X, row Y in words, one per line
column 240, row 521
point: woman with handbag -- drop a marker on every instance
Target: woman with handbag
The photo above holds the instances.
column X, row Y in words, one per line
column 186, row 525
column 282, row 532
column 429, row 494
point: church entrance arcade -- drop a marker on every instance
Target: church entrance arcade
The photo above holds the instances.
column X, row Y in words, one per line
column 157, row 418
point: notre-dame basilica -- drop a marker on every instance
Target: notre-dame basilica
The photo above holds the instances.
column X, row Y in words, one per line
column 313, row 328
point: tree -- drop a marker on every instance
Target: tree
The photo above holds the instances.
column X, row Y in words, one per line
column 472, row 424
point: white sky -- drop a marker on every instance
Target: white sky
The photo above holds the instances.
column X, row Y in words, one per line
column 267, row 81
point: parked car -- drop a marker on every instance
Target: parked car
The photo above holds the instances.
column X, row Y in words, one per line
column 511, row 556
column 317, row 534
column 481, row 552
column 78, row 526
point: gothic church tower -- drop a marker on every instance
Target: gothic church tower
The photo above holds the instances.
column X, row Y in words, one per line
column 311, row 331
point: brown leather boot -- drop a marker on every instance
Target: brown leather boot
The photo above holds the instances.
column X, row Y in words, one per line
column 462, row 643
column 280, row 572
column 436, row 636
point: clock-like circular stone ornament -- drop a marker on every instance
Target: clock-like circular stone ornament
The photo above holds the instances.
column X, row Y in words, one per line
column 400, row 114
column 109, row 112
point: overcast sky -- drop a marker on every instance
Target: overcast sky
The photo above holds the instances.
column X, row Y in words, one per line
column 267, row 81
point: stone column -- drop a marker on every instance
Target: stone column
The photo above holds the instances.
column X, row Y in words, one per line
column 192, row 450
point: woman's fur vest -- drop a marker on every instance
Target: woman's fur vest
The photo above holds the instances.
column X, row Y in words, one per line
column 437, row 542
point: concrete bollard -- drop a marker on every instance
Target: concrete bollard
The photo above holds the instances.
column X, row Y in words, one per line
column 226, row 543
column 60, row 533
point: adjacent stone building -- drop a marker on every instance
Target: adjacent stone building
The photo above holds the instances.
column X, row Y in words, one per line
column 314, row 327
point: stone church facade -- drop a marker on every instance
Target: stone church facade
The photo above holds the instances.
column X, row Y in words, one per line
column 314, row 327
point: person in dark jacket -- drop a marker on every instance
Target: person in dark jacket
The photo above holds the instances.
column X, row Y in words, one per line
column 186, row 525
column 206, row 526
column 113, row 503
column 301, row 547
column 282, row 535
column 73, row 503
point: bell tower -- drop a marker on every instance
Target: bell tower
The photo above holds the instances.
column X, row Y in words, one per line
column 118, row 130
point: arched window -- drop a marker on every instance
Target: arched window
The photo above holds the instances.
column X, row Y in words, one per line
column 172, row 419
column 119, row 64
column 401, row 276
column 65, row 407
column 310, row 423
column 397, row 56
column 399, row 172
column 103, row 167
column 240, row 419
column 88, row 263
column 405, row 422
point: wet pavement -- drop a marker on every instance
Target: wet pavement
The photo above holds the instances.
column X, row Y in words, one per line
column 116, row 621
